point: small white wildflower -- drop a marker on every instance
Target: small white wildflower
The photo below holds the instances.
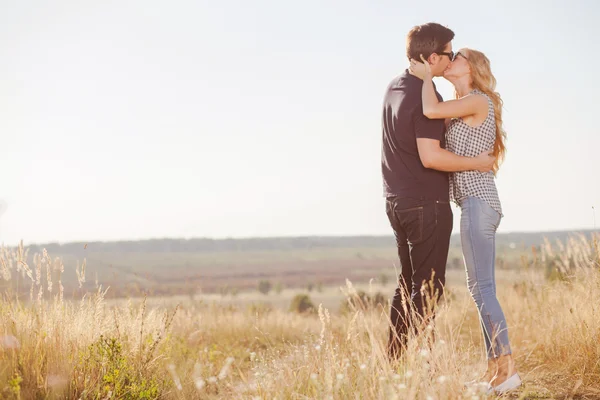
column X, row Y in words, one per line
column 429, row 398
column 314, row 376
column 424, row 353
column 481, row 387
column 442, row 379
column 176, row 380
column 225, row 369
column 317, row 347
column 9, row 342
column 199, row 382
column 409, row 374
column 442, row 341
column 340, row 377
column 212, row 379
column 401, row 386
column 252, row 356
column 56, row 381
column 363, row 367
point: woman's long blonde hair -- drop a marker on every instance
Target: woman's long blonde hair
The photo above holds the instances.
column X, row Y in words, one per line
column 484, row 80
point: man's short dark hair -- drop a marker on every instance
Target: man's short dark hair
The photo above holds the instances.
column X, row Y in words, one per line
column 427, row 39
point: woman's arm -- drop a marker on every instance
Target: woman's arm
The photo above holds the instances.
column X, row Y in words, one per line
column 465, row 106
column 435, row 109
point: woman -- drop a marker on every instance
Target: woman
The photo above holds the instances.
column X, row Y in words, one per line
column 476, row 125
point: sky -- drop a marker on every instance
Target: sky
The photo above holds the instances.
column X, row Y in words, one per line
column 152, row 119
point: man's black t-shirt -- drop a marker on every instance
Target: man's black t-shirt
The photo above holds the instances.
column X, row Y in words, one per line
column 403, row 122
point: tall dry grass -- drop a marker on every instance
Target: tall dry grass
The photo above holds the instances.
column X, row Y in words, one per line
column 57, row 348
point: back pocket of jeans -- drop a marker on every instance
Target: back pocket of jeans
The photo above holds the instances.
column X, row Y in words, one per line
column 411, row 220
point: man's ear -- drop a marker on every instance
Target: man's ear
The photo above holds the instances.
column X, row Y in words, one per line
column 433, row 59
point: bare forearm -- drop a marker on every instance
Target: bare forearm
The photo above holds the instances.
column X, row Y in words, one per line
column 430, row 100
column 444, row 160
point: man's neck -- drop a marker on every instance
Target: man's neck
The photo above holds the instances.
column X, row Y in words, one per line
column 411, row 73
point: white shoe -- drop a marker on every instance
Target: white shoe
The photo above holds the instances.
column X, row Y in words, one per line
column 510, row 384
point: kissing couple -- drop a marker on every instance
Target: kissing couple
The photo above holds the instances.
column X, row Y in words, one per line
column 435, row 152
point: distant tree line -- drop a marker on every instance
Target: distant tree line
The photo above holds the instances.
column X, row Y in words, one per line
column 166, row 245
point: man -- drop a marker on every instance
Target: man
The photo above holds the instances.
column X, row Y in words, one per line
column 415, row 169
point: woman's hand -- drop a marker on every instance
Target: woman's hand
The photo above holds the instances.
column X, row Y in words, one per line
column 421, row 70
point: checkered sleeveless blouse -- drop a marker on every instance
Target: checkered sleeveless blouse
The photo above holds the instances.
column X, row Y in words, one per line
column 469, row 141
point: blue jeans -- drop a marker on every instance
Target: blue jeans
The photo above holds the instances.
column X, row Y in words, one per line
column 478, row 225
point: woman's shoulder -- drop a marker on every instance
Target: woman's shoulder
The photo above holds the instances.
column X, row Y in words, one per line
column 481, row 93
column 485, row 96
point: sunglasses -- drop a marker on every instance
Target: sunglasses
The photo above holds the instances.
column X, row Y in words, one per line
column 452, row 55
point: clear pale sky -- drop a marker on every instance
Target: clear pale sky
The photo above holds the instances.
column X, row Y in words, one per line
column 143, row 119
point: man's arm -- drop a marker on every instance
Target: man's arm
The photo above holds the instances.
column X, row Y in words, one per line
column 429, row 133
column 434, row 157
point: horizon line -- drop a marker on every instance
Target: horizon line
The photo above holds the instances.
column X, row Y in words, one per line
column 309, row 236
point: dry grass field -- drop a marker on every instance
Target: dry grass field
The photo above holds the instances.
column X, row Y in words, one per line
column 252, row 346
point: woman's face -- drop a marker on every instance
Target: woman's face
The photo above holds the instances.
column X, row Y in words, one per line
column 459, row 67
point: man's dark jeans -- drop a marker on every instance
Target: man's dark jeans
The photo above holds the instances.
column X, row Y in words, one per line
column 422, row 229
